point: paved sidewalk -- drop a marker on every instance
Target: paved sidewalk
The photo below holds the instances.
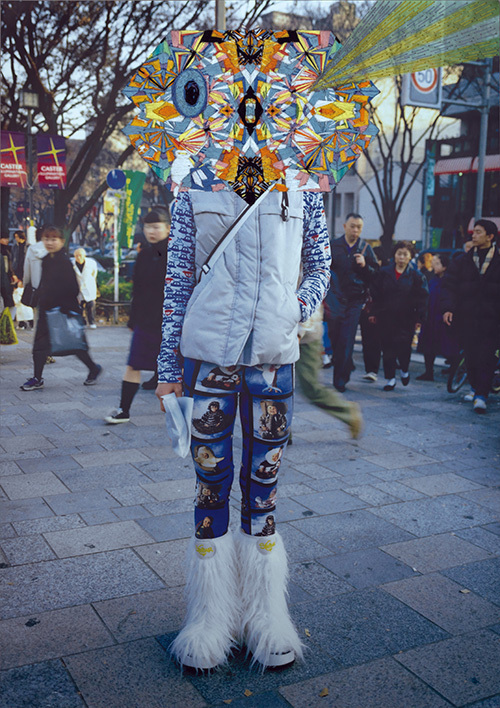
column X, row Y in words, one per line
column 394, row 543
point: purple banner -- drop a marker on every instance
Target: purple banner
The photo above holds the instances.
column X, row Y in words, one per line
column 51, row 161
column 13, row 163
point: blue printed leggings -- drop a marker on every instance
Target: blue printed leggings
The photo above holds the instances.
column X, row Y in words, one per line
column 265, row 395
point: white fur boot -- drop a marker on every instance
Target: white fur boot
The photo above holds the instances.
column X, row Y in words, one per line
column 213, row 607
column 266, row 626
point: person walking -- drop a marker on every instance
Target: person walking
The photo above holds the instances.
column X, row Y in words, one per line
column 57, row 288
column 86, row 275
column 470, row 300
column 307, row 368
column 353, row 265
column 236, row 329
column 146, row 310
column 435, row 337
column 400, row 296
column 370, row 333
column 18, row 254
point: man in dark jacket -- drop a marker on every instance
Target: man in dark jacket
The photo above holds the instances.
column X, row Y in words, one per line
column 470, row 300
column 353, row 264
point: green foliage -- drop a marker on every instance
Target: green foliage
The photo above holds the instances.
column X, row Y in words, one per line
column 107, row 290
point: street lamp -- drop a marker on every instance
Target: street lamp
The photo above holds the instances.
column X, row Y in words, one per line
column 29, row 100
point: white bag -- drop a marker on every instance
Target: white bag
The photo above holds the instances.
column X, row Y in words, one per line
column 178, row 414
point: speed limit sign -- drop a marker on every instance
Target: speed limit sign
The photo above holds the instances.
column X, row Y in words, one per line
column 422, row 88
column 425, row 81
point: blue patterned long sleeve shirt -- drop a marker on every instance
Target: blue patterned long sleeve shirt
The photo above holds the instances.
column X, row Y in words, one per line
column 180, row 277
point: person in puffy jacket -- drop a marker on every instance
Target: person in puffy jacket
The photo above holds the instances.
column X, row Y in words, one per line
column 235, row 323
column 470, row 301
column 57, row 288
column 400, row 296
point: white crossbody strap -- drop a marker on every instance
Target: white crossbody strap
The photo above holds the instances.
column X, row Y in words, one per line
column 231, row 232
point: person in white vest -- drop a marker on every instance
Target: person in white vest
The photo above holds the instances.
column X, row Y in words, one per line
column 236, row 329
column 86, row 275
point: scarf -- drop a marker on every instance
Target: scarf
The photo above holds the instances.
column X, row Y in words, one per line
column 482, row 269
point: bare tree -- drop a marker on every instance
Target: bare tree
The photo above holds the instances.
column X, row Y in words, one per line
column 77, row 56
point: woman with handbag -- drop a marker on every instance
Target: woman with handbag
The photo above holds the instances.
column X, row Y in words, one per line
column 58, row 288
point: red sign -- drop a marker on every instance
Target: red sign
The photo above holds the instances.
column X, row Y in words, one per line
column 51, row 156
column 13, row 162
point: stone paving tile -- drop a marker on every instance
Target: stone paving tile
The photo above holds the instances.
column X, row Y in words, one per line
column 353, row 465
column 54, row 523
column 363, row 625
column 39, row 587
column 434, row 485
column 231, row 682
column 75, row 502
column 436, row 552
column 481, row 577
column 22, row 509
column 473, row 657
column 327, row 485
column 109, row 457
column 430, row 516
column 135, row 675
column 46, row 685
column 380, row 445
column 494, row 528
column 367, row 568
column 351, row 531
column 488, row 476
column 492, row 702
column 395, row 460
column 126, row 513
column 48, row 635
column 164, row 470
column 317, row 580
column 36, row 484
column 98, row 516
column 378, row 684
column 331, row 502
column 9, row 468
column 398, row 490
column 174, row 489
column 167, row 560
column 444, row 602
column 371, row 495
column 314, row 470
column 171, row 507
column 490, row 498
column 26, row 549
column 268, row 699
column 21, row 455
column 299, row 546
column 95, row 539
column 7, row 531
column 25, row 443
column 168, row 526
column 481, row 537
column 145, row 615
column 50, row 464
column 102, row 477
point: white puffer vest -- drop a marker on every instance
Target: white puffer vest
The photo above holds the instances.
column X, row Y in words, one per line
column 245, row 310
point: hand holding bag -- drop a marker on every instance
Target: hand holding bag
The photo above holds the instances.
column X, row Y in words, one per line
column 66, row 331
column 178, row 414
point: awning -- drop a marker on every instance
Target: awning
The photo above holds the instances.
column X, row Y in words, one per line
column 494, row 219
column 454, row 165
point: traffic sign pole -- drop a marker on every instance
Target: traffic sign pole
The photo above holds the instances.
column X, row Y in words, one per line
column 116, row 180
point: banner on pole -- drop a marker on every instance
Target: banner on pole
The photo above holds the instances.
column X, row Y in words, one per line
column 51, row 161
column 130, row 207
column 13, row 163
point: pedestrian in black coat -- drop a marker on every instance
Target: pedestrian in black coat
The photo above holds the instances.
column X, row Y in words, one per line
column 146, row 312
column 400, row 296
column 58, row 288
column 470, row 299
column 353, row 265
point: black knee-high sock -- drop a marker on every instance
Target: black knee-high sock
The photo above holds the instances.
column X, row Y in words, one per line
column 129, row 390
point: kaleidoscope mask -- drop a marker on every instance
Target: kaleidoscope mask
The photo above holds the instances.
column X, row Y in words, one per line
column 236, row 110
